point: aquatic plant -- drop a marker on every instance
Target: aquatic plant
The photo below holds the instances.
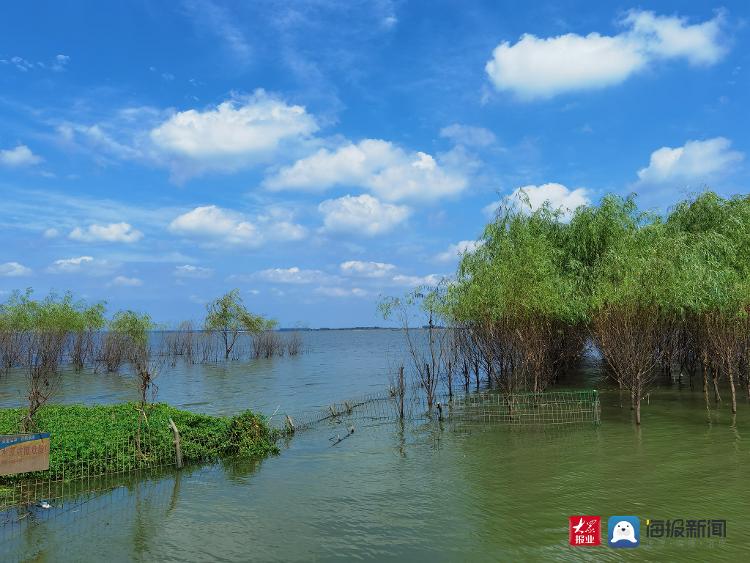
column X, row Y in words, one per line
column 102, row 439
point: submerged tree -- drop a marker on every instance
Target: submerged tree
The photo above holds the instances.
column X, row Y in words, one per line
column 132, row 331
column 228, row 317
column 34, row 336
column 518, row 301
column 88, row 320
column 656, row 294
column 429, row 355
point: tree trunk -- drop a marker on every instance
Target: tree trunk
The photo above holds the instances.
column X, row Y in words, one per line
column 730, row 372
column 638, row 410
column 639, row 392
column 704, row 369
column 717, row 397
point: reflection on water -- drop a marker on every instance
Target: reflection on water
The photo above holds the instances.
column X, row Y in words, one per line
column 415, row 492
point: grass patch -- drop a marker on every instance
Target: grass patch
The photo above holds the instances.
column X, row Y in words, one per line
column 102, row 439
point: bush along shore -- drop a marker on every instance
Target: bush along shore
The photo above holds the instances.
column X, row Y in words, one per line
column 87, row 441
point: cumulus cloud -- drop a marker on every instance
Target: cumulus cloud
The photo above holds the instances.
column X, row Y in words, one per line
column 695, row 161
column 455, row 251
column 218, row 225
column 379, row 166
column 362, row 214
column 366, row 269
column 14, row 270
column 123, row 281
column 468, row 135
column 51, row 233
column 536, row 67
column 532, row 197
column 113, row 232
column 195, row 272
column 19, row 156
column 234, row 134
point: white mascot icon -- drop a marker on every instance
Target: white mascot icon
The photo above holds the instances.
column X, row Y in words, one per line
column 623, row 531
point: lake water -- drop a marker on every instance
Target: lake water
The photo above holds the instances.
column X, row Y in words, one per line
column 414, row 492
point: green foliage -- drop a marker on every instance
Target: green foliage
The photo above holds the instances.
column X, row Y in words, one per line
column 133, row 326
column 89, row 440
column 695, row 260
column 228, row 314
column 59, row 313
column 517, row 272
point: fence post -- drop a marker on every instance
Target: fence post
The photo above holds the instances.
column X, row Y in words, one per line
column 290, row 424
column 177, row 448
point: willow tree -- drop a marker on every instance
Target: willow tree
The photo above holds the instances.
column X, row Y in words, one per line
column 517, row 299
column 45, row 326
column 639, row 284
column 87, row 321
column 228, row 316
column 15, row 328
column 716, row 294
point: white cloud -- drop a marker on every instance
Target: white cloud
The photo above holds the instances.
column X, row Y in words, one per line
column 51, row 233
column 293, row 275
column 361, row 214
column 379, row 166
column 234, row 134
column 14, row 270
column 81, row 264
column 190, row 271
column 71, row 264
column 19, row 156
column 341, row 291
column 468, row 135
column 221, row 225
column 455, row 251
column 672, row 37
column 414, row 281
column 536, row 67
column 366, row 269
column 559, row 197
column 123, row 281
column 695, row 161
column 113, row 232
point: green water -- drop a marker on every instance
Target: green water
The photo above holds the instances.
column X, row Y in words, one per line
column 425, row 492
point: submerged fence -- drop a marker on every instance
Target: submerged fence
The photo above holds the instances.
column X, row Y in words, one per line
column 91, row 464
column 96, row 471
column 553, row 408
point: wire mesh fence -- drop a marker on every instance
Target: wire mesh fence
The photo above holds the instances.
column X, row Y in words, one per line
column 85, row 476
column 95, row 469
column 553, row 408
column 49, row 530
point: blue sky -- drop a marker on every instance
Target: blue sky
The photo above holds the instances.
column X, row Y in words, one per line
column 317, row 154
